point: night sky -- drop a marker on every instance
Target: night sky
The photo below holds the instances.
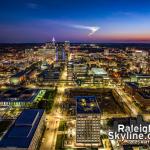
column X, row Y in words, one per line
column 74, row 20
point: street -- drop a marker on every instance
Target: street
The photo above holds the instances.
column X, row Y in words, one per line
column 53, row 119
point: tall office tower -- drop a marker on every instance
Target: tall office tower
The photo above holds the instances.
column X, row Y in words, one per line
column 60, row 54
column 48, row 51
column 53, row 41
column 67, row 49
column 87, row 121
column 50, row 45
column 70, row 71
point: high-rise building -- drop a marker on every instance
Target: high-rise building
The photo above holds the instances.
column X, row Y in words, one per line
column 53, row 41
column 87, row 121
column 48, row 50
column 60, row 54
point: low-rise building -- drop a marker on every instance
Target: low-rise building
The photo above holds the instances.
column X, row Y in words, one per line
column 140, row 94
column 20, row 97
column 26, row 131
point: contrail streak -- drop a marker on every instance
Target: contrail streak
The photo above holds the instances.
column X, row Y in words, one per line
column 93, row 29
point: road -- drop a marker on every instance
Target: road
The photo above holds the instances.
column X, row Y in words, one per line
column 128, row 100
column 53, row 119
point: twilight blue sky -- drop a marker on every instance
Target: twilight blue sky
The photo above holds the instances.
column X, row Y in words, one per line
column 40, row 20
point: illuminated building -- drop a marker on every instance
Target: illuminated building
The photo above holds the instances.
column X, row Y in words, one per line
column 141, row 95
column 70, row 70
column 44, row 66
column 48, row 50
column 60, row 54
column 24, row 75
column 98, row 75
column 53, row 41
column 106, row 52
column 140, row 53
column 87, row 121
column 18, row 78
column 141, row 79
column 80, row 70
column 20, row 97
column 49, row 77
column 67, row 46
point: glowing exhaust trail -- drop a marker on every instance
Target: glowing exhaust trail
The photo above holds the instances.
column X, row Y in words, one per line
column 92, row 29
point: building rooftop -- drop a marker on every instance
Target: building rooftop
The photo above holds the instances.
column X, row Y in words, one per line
column 132, row 84
column 22, row 131
column 50, row 74
column 142, row 75
column 19, row 74
column 98, row 71
column 23, row 73
column 145, row 93
column 18, row 95
column 4, row 125
column 87, row 105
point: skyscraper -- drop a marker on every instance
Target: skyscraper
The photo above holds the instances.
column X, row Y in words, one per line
column 60, row 54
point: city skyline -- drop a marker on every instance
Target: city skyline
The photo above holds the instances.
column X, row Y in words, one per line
column 63, row 95
column 75, row 75
column 76, row 21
